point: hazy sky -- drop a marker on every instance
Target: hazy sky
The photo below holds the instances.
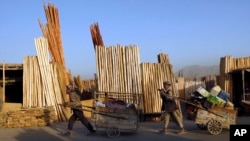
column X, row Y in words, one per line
column 191, row 32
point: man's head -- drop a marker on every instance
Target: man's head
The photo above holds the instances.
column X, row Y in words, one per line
column 69, row 89
column 166, row 84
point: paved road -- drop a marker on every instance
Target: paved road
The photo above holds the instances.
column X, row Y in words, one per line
column 148, row 131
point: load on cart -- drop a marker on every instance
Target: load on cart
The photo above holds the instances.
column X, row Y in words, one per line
column 116, row 112
column 211, row 110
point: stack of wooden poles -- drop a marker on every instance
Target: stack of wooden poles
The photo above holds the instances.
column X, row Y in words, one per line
column 96, row 35
column 51, row 31
column 153, row 76
column 50, row 81
column 89, row 84
column 181, row 87
column 227, row 65
column 32, row 83
column 118, row 69
column 42, row 86
column 78, row 82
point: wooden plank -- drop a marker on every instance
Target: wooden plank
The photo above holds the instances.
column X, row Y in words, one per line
column 3, row 82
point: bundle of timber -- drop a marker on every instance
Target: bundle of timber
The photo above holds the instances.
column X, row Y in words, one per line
column 78, row 82
column 85, row 85
column 32, row 83
column 181, row 87
column 96, row 35
column 118, row 69
column 153, row 76
column 163, row 58
column 53, row 34
column 42, row 86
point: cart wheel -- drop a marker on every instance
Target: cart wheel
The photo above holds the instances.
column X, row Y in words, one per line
column 202, row 126
column 214, row 127
column 113, row 132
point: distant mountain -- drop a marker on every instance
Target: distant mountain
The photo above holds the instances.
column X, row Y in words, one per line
column 199, row 71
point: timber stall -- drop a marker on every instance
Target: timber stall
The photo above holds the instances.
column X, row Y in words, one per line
column 235, row 79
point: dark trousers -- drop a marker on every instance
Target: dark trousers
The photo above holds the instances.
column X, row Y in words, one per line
column 77, row 114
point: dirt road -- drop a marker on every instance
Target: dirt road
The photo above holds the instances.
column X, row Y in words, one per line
column 148, row 131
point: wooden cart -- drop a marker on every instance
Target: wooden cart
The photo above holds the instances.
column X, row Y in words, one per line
column 215, row 119
column 116, row 120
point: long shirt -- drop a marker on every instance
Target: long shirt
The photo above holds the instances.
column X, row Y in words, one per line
column 168, row 103
column 75, row 101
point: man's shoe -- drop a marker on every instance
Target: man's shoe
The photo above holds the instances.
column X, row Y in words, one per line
column 91, row 133
column 163, row 131
column 183, row 131
column 67, row 133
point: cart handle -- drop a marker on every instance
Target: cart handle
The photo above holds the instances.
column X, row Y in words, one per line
column 95, row 112
column 198, row 106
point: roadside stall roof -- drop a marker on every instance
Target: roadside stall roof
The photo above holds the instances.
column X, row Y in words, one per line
column 240, row 70
column 11, row 66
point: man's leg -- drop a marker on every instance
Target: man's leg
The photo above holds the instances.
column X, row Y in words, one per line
column 84, row 121
column 166, row 121
column 71, row 122
column 179, row 121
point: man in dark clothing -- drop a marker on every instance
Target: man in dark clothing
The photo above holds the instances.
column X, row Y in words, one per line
column 169, row 107
column 76, row 107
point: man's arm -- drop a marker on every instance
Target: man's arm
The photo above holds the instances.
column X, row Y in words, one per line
column 167, row 94
column 74, row 101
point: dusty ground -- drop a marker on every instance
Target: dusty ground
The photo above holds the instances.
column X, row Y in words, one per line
column 147, row 131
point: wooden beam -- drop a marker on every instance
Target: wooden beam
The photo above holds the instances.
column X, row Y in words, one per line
column 3, row 82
